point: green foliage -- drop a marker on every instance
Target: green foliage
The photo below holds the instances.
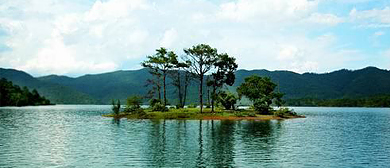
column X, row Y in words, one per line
column 201, row 59
column 227, row 99
column 116, row 106
column 101, row 88
column 160, row 64
column 252, row 114
column 284, row 112
column 13, row 95
column 159, row 107
column 260, row 90
column 372, row 101
column 153, row 102
column 133, row 104
column 224, row 74
column 192, row 105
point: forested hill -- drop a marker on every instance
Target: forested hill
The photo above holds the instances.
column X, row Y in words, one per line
column 101, row 88
column 56, row 93
column 338, row 84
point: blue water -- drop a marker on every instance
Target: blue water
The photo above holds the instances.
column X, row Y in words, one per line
column 78, row 136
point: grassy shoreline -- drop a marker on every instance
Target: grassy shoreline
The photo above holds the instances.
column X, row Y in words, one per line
column 194, row 114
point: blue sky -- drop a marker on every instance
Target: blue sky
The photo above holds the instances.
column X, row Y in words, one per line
column 77, row 37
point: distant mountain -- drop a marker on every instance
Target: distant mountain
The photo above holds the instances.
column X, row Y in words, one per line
column 101, row 88
column 338, row 84
column 56, row 93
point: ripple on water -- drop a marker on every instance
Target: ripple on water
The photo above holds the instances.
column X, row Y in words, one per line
column 78, row 136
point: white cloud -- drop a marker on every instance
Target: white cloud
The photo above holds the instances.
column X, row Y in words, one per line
column 266, row 10
column 325, row 19
column 70, row 37
column 374, row 18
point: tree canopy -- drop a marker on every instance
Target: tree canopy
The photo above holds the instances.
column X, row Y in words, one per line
column 13, row 95
column 159, row 65
column 260, row 90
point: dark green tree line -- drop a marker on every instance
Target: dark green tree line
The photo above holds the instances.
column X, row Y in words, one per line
column 13, row 95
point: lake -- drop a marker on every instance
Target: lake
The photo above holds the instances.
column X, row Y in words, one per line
column 78, row 136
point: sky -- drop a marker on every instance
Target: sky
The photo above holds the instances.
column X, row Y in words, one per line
column 76, row 37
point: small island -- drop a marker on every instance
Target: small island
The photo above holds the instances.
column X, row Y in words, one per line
column 219, row 114
column 202, row 61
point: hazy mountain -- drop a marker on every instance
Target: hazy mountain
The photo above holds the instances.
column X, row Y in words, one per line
column 120, row 84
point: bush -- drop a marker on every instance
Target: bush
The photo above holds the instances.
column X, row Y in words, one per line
column 159, row 107
column 284, row 112
column 153, row 102
column 252, row 114
column 192, row 105
column 116, row 107
column 262, row 106
column 227, row 99
column 134, row 105
column 178, row 106
column 208, row 105
column 239, row 114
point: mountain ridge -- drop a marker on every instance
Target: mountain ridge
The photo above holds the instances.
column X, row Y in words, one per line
column 119, row 84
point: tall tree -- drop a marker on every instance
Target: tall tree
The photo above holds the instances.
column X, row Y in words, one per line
column 201, row 58
column 181, row 79
column 225, row 67
column 155, row 83
column 161, row 62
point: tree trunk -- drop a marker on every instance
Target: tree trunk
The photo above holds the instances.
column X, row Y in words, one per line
column 212, row 98
column 201, row 93
column 165, row 94
column 159, row 91
column 179, row 90
column 208, row 96
column 186, row 82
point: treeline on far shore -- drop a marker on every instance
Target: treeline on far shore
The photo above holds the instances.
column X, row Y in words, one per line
column 372, row 101
column 14, row 95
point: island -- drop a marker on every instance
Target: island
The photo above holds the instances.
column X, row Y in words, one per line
column 214, row 72
column 218, row 114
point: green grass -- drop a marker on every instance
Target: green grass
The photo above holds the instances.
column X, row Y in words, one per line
column 194, row 114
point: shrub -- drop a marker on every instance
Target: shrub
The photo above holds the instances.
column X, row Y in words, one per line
column 159, row 107
column 239, row 114
column 134, row 105
column 262, row 106
column 252, row 114
column 192, row 105
column 178, row 106
column 116, row 106
column 284, row 112
column 227, row 99
column 152, row 102
column 208, row 105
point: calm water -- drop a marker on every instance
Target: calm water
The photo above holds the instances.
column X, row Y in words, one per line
column 78, row 136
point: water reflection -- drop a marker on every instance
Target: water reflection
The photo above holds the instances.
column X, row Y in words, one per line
column 206, row 143
column 222, row 145
column 116, row 121
column 78, row 136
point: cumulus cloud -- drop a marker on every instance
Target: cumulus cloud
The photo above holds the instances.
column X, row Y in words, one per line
column 78, row 37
